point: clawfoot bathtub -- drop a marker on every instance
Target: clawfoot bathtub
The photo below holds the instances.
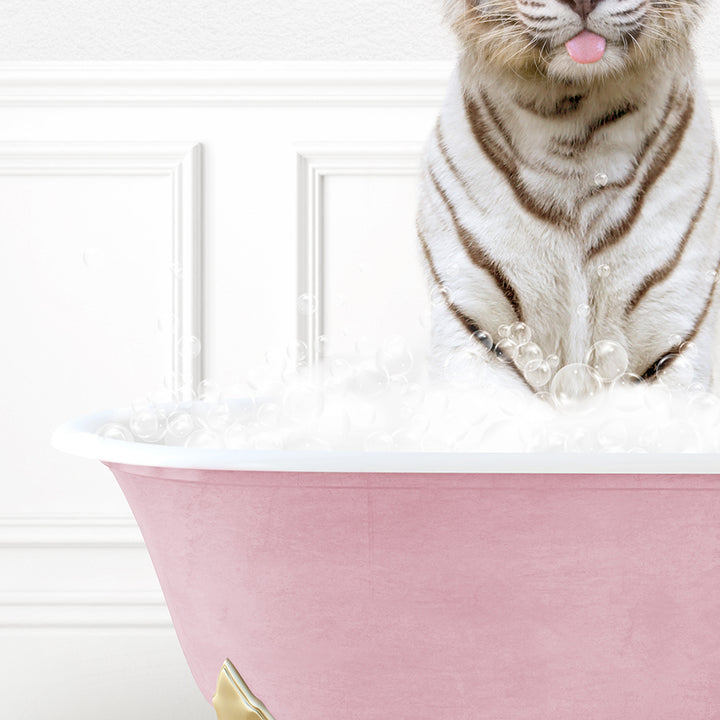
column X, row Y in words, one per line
column 361, row 586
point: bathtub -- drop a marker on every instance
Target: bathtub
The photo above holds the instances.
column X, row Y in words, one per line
column 362, row 586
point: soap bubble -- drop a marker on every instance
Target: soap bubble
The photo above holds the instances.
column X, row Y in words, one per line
column 189, row 346
column 503, row 331
column 675, row 371
column 180, row 425
column 307, row 304
column 573, row 385
column 689, row 350
column 508, row 348
column 601, row 179
column 147, row 424
column 520, row 333
column 115, row 431
column 609, row 359
column 528, row 353
column 583, row 310
column 439, row 296
column 483, row 338
column 553, row 361
column 603, row 270
column 537, row 373
column 394, row 356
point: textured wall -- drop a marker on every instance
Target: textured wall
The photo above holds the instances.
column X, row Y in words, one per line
column 237, row 30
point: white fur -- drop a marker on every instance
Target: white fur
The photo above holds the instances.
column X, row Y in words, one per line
column 546, row 264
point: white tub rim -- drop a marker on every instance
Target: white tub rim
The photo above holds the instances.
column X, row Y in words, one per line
column 78, row 437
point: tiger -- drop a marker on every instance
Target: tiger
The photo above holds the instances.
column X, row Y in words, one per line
column 569, row 188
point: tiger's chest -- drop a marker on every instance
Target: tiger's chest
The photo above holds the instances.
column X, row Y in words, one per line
column 585, row 220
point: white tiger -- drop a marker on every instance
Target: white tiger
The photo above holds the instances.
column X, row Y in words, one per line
column 571, row 183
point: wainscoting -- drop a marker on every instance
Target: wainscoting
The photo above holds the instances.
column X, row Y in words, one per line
column 144, row 205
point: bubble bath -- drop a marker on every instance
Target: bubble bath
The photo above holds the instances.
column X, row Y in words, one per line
column 385, row 401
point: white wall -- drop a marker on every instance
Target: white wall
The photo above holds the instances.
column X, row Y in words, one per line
column 223, row 30
column 239, row 30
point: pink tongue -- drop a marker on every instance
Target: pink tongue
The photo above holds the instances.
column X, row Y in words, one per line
column 587, row 47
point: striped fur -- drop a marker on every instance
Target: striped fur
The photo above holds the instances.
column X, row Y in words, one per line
column 541, row 170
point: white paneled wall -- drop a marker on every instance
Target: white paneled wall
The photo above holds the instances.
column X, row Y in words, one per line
column 141, row 205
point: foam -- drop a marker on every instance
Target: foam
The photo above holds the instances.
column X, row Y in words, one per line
column 389, row 405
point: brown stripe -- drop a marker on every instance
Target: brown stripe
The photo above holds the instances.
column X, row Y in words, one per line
column 450, row 163
column 661, row 160
column 567, row 147
column 468, row 323
column 661, row 273
column 478, row 256
column 564, row 106
column 494, row 116
column 651, row 373
column 622, row 13
column 538, row 18
column 509, row 168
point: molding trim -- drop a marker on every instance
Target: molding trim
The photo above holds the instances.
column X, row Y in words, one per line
column 182, row 164
column 52, row 609
column 208, row 83
column 314, row 164
column 69, row 532
column 86, row 610
column 223, row 83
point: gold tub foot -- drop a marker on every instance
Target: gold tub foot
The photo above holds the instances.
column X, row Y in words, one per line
column 233, row 699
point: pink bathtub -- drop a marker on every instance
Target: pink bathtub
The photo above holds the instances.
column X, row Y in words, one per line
column 416, row 587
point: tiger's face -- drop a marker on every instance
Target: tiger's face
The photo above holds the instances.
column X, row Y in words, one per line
column 573, row 40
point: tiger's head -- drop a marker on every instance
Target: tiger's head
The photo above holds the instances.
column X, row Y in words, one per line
column 573, row 40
